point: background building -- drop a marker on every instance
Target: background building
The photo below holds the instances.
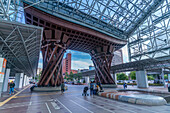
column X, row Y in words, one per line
column 91, row 67
column 82, row 70
column 66, row 64
column 118, row 58
column 74, row 71
column 39, row 70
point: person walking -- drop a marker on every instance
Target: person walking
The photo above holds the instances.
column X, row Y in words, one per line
column 11, row 85
column 62, row 88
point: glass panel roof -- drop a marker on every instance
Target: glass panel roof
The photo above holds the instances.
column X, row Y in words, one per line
column 118, row 17
column 121, row 14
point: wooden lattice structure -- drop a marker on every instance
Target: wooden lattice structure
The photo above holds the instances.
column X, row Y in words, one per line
column 60, row 35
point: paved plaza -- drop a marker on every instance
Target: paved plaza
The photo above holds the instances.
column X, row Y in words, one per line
column 71, row 101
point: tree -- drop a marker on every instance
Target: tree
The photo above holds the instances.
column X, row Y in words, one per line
column 39, row 76
column 84, row 81
column 133, row 75
column 70, row 76
column 165, row 77
column 66, row 76
column 150, row 78
column 78, row 76
column 122, row 76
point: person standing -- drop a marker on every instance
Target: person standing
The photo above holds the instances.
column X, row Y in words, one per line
column 124, row 85
column 91, row 88
column 11, row 85
column 62, row 87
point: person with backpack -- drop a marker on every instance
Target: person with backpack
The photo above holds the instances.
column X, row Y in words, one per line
column 11, row 85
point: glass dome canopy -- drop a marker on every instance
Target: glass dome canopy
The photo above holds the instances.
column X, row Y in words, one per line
column 121, row 14
column 117, row 17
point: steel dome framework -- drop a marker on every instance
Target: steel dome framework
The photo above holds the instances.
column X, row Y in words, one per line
column 144, row 23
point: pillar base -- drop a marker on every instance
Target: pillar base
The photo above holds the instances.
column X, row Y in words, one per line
column 48, row 89
column 109, row 85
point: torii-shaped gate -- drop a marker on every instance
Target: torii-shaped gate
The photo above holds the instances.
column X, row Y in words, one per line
column 60, row 35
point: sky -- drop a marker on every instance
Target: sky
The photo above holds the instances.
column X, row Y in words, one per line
column 81, row 60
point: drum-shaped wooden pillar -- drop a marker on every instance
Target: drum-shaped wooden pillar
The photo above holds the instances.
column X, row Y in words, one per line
column 102, row 58
column 53, row 51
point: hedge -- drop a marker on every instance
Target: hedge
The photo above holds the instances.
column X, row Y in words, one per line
column 136, row 84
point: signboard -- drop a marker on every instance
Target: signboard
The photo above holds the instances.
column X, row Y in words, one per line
column 2, row 68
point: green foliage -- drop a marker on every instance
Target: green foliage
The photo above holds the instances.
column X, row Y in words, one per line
column 71, row 76
column 78, row 76
column 84, row 81
column 133, row 75
column 165, row 77
column 155, row 84
column 150, row 78
column 127, row 83
column 38, row 76
column 136, row 84
column 122, row 76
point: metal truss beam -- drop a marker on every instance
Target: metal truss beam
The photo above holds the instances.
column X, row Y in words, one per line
column 151, row 38
column 146, row 13
column 66, row 12
column 14, row 43
column 147, row 64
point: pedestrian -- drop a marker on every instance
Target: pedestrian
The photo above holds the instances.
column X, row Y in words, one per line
column 132, row 83
column 98, row 89
column 11, row 85
column 62, row 88
column 94, row 88
column 91, row 88
column 124, row 85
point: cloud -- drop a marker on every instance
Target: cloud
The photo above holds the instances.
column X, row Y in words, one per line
column 40, row 65
column 40, row 57
column 40, row 62
column 81, row 64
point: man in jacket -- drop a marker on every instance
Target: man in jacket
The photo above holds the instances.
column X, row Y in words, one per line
column 11, row 85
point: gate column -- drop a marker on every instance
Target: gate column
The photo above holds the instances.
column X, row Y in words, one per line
column 53, row 51
column 102, row 58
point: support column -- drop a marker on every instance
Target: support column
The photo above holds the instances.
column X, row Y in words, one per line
column 24, row 80
column 7, row 73
column 81, row 80
column 27, row 82
column 102, row 58
column 53, row 52
column 87, row 79
column 114, row 78
column 162, row 76
column 2, row 73
column 19, row 80
column 142, row 80
column 168, row 77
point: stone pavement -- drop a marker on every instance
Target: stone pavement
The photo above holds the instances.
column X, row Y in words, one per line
column 72, row 101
